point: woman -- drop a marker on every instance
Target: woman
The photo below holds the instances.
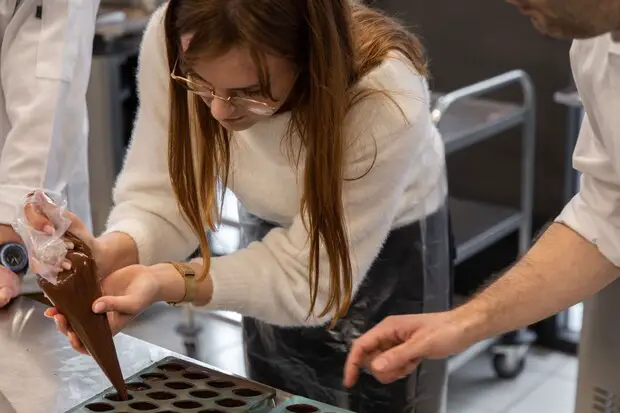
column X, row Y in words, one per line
column 315, row 113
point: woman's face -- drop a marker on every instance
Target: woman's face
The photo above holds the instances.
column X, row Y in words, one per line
column 235, row 75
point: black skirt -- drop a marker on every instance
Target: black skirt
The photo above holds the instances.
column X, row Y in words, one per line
column 411, row 275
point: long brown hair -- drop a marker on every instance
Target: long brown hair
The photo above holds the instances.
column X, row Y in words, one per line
column 333, row 44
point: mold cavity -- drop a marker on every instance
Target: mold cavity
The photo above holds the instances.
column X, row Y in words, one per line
column 143, row 406
column 301, row 408
column 137, row 386
column 99, row 407
column 161, row 395
column 153, row 377
column 187, row 404
column 219, row 384
column 230, row 403
column 247, row 392
column 179, row 385
column 115, row 397
column 196, row 376
column 171, row 367
column 203, row 394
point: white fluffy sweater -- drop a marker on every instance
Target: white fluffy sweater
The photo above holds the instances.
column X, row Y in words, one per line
column 269, row 279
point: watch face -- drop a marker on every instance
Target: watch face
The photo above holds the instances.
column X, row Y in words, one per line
column 14, row 257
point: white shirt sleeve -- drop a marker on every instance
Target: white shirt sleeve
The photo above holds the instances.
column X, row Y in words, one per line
column 594, row 212
column 145, row 205
column 269, row 279
column 44, row 76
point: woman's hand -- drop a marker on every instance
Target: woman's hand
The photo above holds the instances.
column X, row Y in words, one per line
column 126, row 293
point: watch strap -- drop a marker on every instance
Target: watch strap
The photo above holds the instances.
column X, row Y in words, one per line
column 189, row 277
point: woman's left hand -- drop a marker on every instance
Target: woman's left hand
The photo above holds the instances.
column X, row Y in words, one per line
column 126, row 293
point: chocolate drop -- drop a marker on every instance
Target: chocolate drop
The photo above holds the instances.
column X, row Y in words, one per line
column 73, row 295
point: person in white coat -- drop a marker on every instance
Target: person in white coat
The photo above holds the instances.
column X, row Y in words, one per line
column 576, row 257
column 45, row 61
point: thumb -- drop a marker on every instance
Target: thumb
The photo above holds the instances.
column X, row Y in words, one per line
column 124, row 304
column 397, row 357
column 5, row 296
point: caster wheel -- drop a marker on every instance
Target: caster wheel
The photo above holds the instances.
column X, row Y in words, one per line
column 506, row 369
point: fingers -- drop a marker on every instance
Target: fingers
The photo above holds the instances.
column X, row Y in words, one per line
column 5, row 296
column 397, row 362
column 62, row 324
column 401, row 371
column 37, row 218
column 125, row 304
column 9, row 286
column 76, row 343
column 50, row 312
column 63, row 327
column 366, row 347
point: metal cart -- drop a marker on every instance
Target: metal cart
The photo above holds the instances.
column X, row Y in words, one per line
column 465, row 118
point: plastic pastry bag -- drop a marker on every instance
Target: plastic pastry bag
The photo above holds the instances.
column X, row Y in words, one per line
column 43, row 225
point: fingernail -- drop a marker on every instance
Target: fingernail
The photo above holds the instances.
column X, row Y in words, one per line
column 380, row 364
column 66, row 265
column 98, row 307
column 49, row 229
column 70, row 245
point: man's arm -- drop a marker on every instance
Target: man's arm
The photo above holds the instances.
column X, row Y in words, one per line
column 561, row 270
column 577, row 256
column 44, row 73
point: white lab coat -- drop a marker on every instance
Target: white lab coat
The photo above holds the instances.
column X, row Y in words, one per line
column 45, row 61
column 595, row 211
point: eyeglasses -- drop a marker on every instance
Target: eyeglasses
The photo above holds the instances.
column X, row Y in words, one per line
column 198, row 87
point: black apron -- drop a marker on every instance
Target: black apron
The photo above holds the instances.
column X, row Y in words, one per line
column 411, row 275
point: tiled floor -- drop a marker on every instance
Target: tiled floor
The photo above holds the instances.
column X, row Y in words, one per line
column 546, row 386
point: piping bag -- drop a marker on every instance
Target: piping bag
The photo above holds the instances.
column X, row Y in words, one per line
column 43, row 225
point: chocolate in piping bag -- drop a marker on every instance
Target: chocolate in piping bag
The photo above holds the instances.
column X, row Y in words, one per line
column 73, row 295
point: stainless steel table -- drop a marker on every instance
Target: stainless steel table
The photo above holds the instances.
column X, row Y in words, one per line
column 41, row 373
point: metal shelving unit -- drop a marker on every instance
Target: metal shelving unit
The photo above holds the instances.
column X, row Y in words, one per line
column 465, row 117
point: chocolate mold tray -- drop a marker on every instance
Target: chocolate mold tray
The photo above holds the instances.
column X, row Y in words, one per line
column 297, row 404
column 172, row 385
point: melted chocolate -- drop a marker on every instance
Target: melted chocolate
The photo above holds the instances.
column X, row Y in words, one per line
column 73, row 296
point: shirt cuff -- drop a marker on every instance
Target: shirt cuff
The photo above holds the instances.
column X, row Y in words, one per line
column 594, row 228
column 227, row 285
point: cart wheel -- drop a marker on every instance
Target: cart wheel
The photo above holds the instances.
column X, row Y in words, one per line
column 505, row 369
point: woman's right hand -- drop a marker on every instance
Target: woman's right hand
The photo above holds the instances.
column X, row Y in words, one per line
column 126, row 293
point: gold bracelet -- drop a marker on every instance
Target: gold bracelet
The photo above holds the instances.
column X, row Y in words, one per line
column 189, row 277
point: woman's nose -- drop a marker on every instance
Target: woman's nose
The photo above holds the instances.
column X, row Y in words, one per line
column 222, row 109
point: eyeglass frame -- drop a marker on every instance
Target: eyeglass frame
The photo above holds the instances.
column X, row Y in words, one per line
column 270, row 109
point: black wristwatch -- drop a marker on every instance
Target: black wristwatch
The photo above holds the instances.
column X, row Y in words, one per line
column 14, row 257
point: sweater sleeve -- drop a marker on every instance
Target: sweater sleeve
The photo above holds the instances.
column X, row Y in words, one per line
column 275, row 270
column 145, row 205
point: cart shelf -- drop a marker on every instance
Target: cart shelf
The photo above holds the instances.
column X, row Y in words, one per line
column 470, row 121
column 477, row 225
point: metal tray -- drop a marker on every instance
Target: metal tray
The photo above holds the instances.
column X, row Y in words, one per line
column 177, row 386
column 297, row 404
